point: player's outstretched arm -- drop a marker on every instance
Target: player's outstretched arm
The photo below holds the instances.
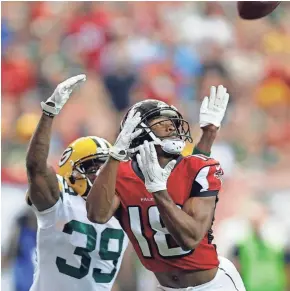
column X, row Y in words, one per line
column 212, row 112
column 43, row 189
column 188, row 225
column 102, row 201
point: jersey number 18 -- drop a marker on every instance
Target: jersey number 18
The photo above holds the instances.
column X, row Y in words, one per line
column 161, row 237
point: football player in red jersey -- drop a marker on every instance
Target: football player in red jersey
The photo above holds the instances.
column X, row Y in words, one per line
column 164, row 201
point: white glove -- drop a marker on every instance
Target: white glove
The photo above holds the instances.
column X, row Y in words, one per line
column 61, row 94
column 155, row 176
column 124, row 139
column 213, row 109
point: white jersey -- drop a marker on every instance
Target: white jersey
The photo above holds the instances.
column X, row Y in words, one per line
column 73, row 253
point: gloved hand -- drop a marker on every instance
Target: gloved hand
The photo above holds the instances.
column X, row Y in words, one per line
column 128, row 133
column 213, row 109
column 61, row 94
column 155, row 176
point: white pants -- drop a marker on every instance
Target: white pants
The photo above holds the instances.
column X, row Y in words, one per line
column 226, row 279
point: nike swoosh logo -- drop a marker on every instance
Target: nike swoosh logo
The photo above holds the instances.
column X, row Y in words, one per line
column 150, row 179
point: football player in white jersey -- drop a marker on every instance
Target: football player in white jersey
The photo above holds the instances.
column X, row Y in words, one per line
column 72, row 252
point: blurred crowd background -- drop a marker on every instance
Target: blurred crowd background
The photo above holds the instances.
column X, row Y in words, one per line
column 171, row 51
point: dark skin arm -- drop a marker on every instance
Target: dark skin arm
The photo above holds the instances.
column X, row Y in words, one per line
column 188, row 225
column 102, row 201
column 43, row 189
column 206, row 141
column 196, row 216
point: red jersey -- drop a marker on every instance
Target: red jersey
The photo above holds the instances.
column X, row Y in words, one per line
column 193, row 176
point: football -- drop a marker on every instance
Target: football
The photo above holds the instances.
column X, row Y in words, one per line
column 256, row 9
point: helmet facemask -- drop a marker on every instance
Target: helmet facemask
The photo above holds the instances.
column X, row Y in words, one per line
column 87, row 169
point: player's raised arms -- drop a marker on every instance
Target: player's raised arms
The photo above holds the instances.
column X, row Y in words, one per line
column 43, row 186
column 102, row 201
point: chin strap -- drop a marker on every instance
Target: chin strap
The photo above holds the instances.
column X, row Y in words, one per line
column 170, row 146
column 173, row 146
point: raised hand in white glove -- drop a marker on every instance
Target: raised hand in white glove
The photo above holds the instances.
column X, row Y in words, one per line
column 213, row 109
column 155, row 176
column 127, row 134
column 61, row 94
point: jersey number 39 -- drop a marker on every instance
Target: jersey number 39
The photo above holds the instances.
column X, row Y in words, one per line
column 84, row 253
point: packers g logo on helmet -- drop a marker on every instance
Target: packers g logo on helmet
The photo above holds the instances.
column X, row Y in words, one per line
column 90, row 150
column 65, row 156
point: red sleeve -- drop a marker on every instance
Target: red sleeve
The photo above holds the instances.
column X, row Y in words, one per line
column 207, row 175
